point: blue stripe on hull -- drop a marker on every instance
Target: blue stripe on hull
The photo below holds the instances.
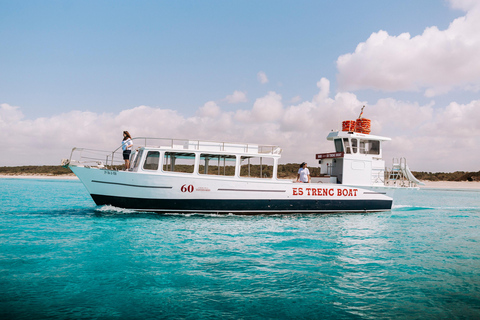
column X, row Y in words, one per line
column 244, row 206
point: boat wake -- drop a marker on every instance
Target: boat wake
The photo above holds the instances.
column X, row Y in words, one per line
column 109, row 209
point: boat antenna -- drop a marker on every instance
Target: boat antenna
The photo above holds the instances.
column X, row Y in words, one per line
column 361, row 113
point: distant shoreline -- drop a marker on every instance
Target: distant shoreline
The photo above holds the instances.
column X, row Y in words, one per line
column 450, row 184
column 428, row 184
column 39, row 176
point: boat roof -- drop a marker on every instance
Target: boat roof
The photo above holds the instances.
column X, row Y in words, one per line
column 207, row 146
column 349, row 134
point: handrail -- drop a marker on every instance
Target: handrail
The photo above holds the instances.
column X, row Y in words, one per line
column 108, row 157
column 196, row 144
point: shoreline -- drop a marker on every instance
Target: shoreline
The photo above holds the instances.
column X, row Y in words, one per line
column 39, row 176
column 428, row 184
column 450, row 185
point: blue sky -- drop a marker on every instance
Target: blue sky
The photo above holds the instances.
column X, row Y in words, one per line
column 111, row 55
column 96, row 58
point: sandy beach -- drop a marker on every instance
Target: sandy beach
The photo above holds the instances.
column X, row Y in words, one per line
column 428, row 184
column 451, row 184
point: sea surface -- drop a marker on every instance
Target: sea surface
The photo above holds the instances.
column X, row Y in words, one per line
column 62, row 257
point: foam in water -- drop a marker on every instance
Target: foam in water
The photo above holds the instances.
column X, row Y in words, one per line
column 115, row 210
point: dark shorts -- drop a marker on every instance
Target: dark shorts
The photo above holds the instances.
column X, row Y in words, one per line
column 126, row 154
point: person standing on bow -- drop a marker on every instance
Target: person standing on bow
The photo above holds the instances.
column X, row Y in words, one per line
column 303, row 173
column 127, row 146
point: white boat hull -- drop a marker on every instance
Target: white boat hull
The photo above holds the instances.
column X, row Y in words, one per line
column 184, row 193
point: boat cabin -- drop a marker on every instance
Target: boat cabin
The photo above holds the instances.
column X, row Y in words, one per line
column 208, row 158
column 357, row 159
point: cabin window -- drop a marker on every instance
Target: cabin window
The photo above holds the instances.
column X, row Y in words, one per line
column 217, row 164
column 347, row 145
column 354, row 145
column 138, row 158
column 256, row 167
column 370, row 147
column 338, row 145
column 151, row 160
column 179, row 162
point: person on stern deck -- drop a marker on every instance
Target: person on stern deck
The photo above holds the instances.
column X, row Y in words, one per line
column 303, row 173
column 127, row 145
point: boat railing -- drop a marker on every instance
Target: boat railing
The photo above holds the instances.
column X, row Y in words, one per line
column 95, row 158
column 114, row 159
column 188, row 144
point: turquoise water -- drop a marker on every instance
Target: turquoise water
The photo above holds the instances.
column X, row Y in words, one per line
column 61, row 257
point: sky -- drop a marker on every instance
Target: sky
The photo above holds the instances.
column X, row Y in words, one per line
column 78, row 73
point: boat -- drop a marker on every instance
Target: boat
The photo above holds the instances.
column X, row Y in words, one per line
column 195, row 176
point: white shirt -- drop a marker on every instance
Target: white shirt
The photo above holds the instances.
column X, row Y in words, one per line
column 127, row 144
column 304, row 173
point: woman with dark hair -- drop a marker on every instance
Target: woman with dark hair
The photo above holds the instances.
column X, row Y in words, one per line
column 303, row 173
column 127, row 145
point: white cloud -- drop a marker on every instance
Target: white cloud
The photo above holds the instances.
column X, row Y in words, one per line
column 237, row 97
column 209, row 109
column 401, row 115
column 458, row 121
column 465, row 5
column 432, row 138
column 436, row 61
column 9, row 114
column 267, row 108
column 324, row 86
column 262, row 77
column 297, row 117
column 296, row 99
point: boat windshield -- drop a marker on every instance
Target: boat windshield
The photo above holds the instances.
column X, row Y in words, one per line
column 137, row 159
column 370, row 147
column 152, row 160
column 338, row 145
column 354, row 145
column 347, row 145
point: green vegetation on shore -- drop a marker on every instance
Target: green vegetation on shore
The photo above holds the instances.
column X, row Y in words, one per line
column 447, row 176
column 288, row 170
column 36, row 170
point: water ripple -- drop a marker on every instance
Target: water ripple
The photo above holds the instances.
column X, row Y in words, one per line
column 67, row 259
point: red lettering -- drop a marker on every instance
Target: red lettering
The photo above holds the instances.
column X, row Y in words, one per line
column 325, row 192
column 294, row 191
column 186, row 188
column 339, row 192
column 308, row 190
column 350, row 193
column 300, row 191
column 314, row 192
column 331, row 192
column 355, row 192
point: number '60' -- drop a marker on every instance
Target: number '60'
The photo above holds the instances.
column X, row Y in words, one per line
column 186, row 188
